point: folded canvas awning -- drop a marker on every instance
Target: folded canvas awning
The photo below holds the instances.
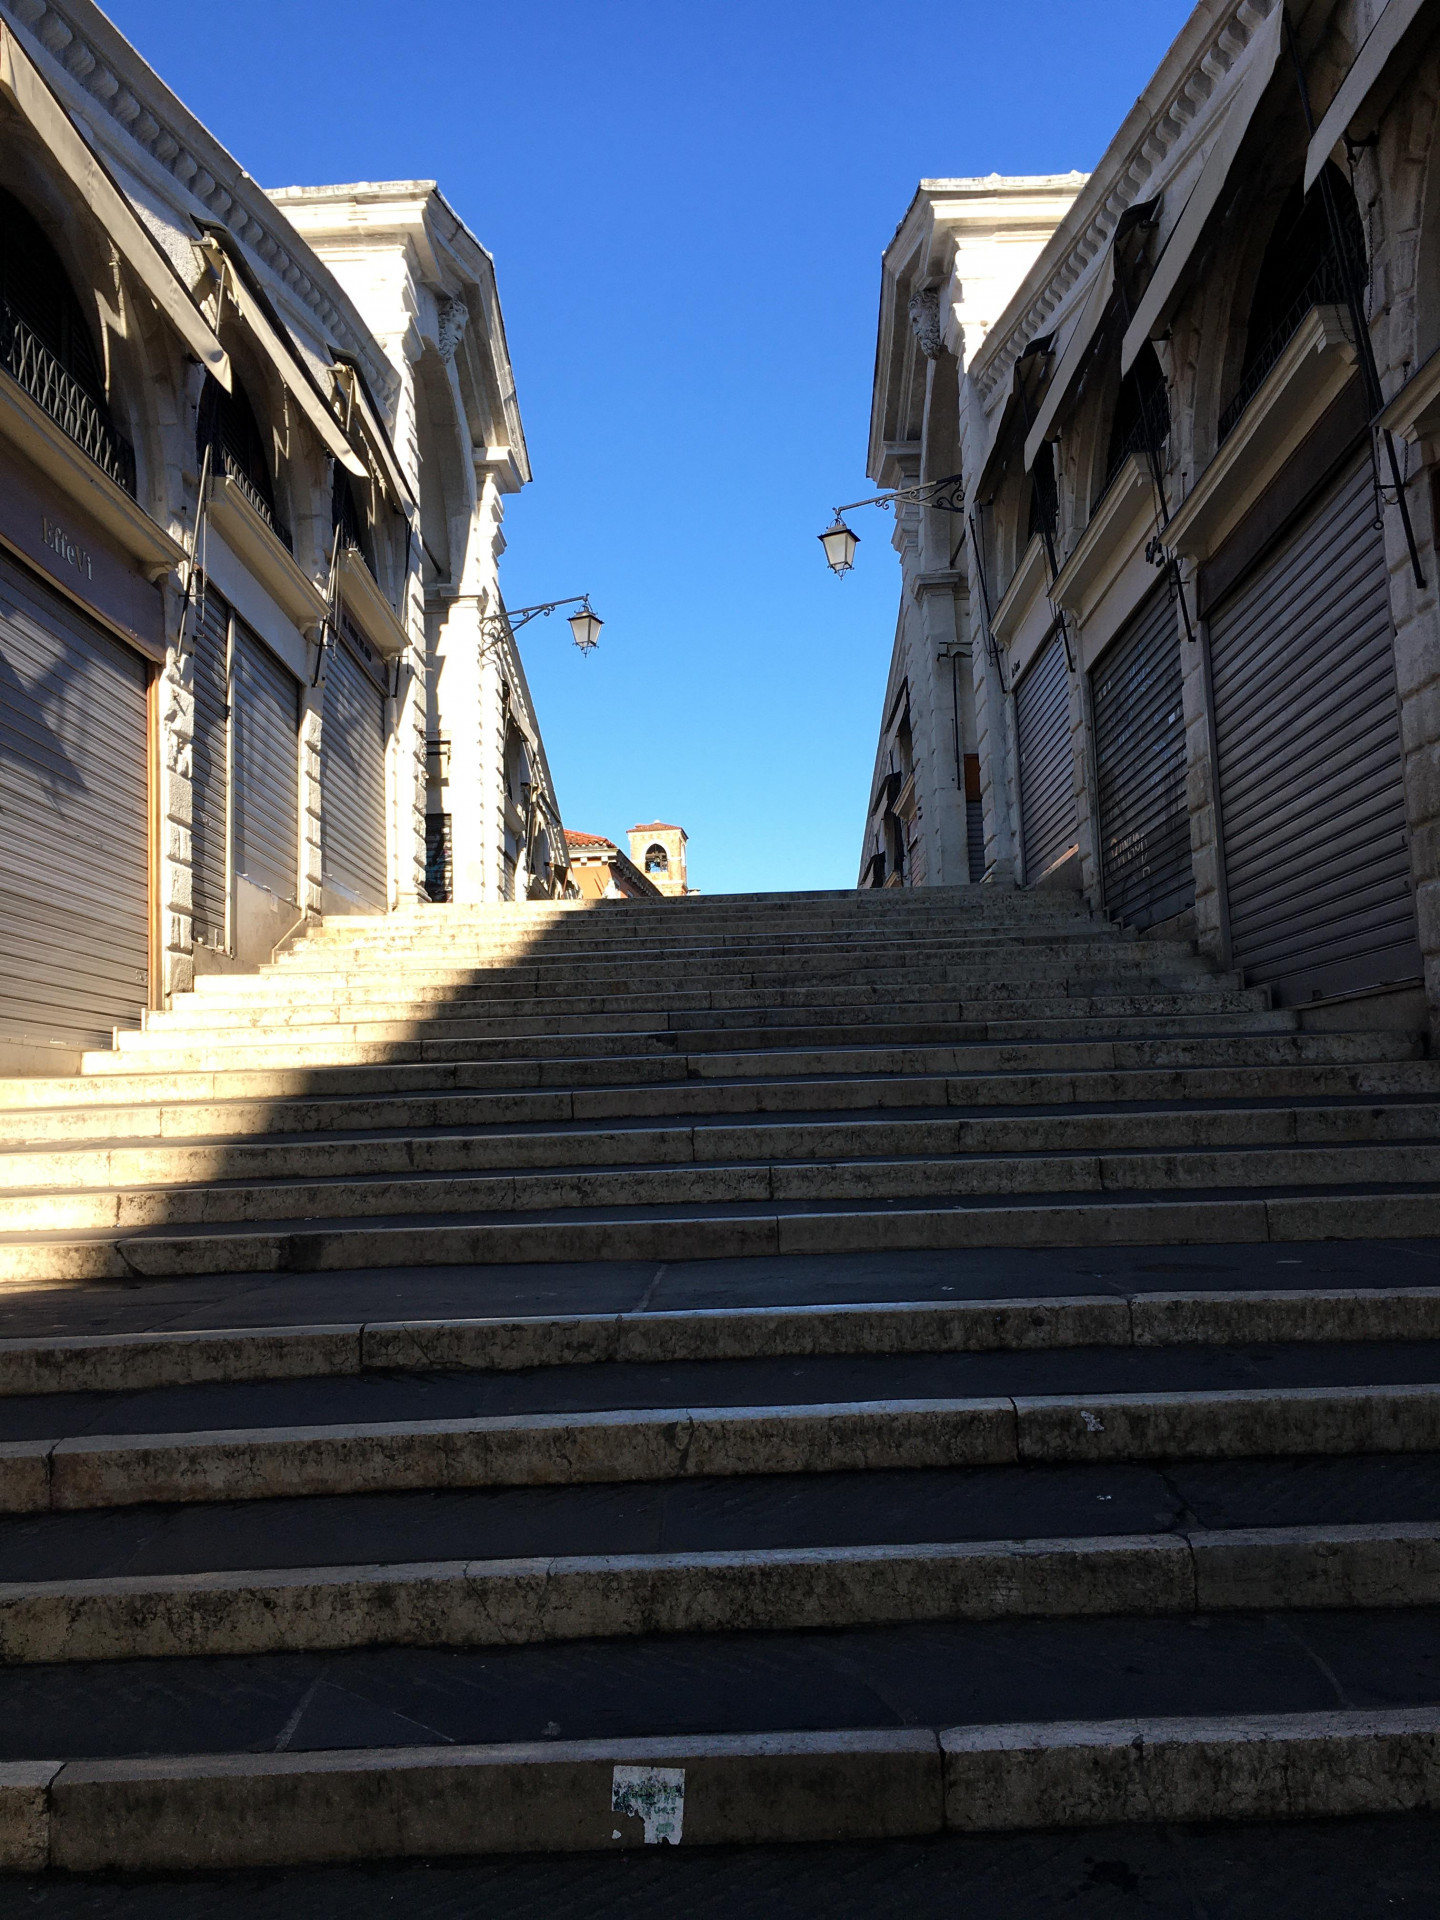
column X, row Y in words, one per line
column 269, row 335
column 29, row 92
column 1024, row 384
column 1360, row 91
column 1161, row 297
column 352, row 386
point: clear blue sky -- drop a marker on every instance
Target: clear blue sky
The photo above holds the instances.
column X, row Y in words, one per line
column 687, row 207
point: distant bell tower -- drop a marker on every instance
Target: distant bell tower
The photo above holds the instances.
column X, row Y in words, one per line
column 659, row 852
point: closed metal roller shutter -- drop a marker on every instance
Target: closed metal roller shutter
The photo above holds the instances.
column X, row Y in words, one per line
column 210, row 770
column 265, row 733
column 1047, row 768
column 1138, row 708
column 352, row 779
column 74, row 823
column 1312, row 803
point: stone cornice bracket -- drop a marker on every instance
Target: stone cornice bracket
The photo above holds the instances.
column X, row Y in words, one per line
column 925, row 322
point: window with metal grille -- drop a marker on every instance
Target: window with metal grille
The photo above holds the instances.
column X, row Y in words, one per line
column 1142, row 414
column 350, row 519
column 1044, row 496
column 228, row 425
column 1307, row 264
column 47, row 347
column 439, row 876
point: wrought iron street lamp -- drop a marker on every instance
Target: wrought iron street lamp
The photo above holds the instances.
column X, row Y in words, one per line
column 840, row 541
column 585, row 623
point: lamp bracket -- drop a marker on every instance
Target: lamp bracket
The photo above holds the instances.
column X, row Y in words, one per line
column 946, row 496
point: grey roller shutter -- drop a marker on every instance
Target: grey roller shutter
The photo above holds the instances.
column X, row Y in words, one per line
column 1312, row 802
column 1047, row 769
column 210, row 769
column 265, row 733
column 1138, row 709
column 352, row 779
column 74, row 823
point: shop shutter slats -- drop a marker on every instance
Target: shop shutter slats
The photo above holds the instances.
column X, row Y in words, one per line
column 352, row 778
column 1047, row 770
column 1137, row 702
column 1317, row 865
column 74, row 822
column 210, row 775
column 267, row 768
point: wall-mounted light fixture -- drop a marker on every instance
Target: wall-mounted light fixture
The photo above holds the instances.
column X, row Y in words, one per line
column 585, row 623
column 840, row 541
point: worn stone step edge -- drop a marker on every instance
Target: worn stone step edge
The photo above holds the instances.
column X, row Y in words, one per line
column 139, row 1362
column 193, row 1115
column 523, row 1602
column 676, row 1443
column 80, row 1167
column 268, row 1203
column 212, row 1812
column 1045, row 1221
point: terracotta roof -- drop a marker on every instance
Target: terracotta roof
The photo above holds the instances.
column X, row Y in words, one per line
column 657, row 826
column 587, row 839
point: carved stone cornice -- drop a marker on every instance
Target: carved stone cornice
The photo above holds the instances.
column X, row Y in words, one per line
column 1119, row 181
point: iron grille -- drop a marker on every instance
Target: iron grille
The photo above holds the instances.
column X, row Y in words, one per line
column 86, row 420
column 439, row 875
column 1325, row 287
column 229, row 464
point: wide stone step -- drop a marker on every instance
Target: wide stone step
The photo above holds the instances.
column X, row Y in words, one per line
column 133, row 1363
column 183, row 1113
column 621, row 1057
column 737, row 1229
column 499, row 1038
column 699, row 1011
column 557, row 1179
column 582, row 1144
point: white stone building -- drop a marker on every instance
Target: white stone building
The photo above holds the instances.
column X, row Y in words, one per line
column 426, row 287
column 245, row 518
column 1200, row 602
column 956, row 258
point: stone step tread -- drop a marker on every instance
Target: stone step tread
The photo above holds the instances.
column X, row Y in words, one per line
column 1177, row 1161
column 973, row 1055
column 972, row 1674
column 747, row 1513
column 838, row 1382
column 383, row 1151
column 1141, row 1311
column 189, row 1115
column 717, row 1149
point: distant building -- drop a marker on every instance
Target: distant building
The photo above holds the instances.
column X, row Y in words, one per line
column 659, row 851
column 602, row 872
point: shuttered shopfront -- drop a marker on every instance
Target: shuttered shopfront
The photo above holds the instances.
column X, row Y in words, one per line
column 210, row 772
column 245, row 770
column 266, row 736
column 1312, row 804
column 74, row 808
column 1138, row 716
column 1047, row 770
column 352, row 777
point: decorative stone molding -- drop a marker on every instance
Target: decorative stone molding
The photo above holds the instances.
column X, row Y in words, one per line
column 926, row 323
column 454, row 317
column 1152, row 145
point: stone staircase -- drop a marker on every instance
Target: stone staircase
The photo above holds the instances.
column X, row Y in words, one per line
column 544, row 1378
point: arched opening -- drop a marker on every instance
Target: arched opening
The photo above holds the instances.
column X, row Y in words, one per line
column 1142, row 414
column 1305, row 265
column 350, row 518
column 657, row 860
column 47, row 346
column 1044, row 512
column 229, row 427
